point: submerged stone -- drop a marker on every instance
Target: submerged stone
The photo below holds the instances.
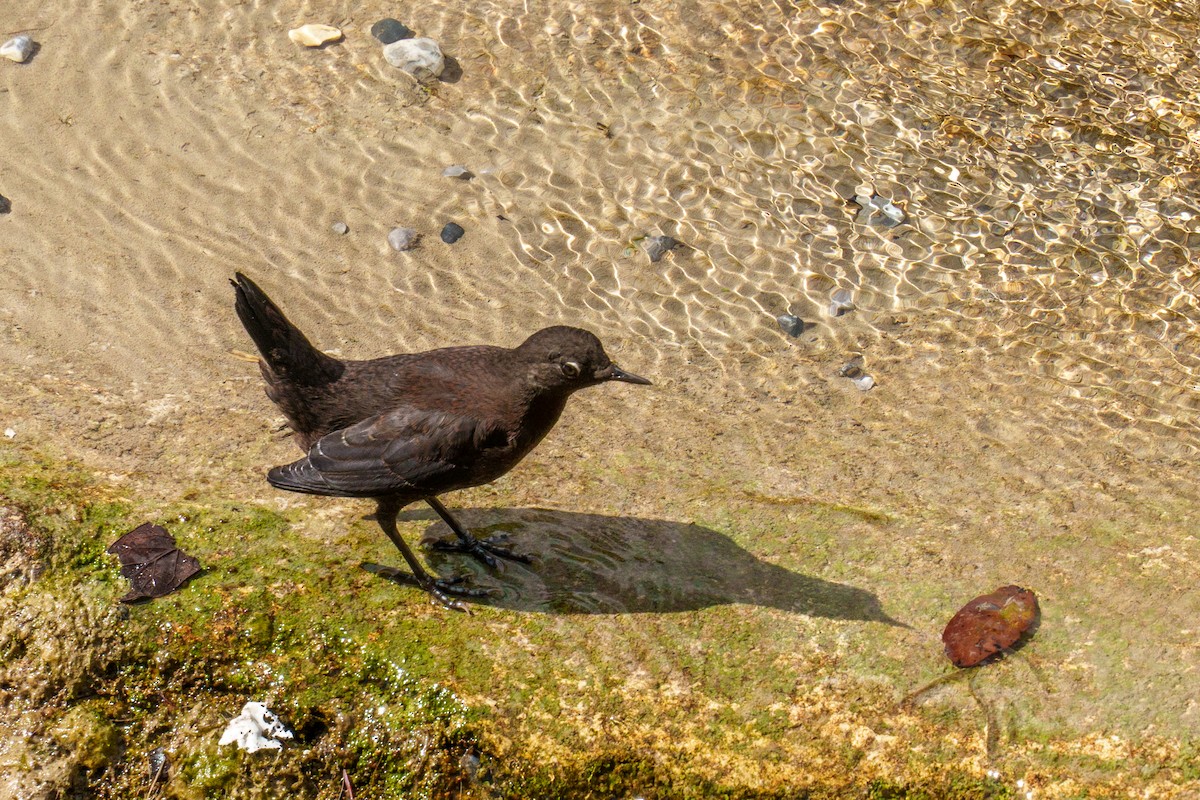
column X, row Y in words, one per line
column 5, row 204
column 658, row 246
column 340, row 228
column 421, row 58
column 840, row 302
column 388, row 30
column 988, row 624
column 18, row 48
column 878, row 208
column 851, row 369
column 790, row 324
column 312, row 35
column 160, row 766
column 452, row 232
column 402, row 238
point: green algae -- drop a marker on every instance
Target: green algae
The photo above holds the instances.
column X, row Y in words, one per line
column 376, row 682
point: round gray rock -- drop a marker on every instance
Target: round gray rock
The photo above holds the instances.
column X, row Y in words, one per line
column 421, row 58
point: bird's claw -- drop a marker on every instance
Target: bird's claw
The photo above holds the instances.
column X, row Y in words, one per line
column 439, row 589
column 484, row 550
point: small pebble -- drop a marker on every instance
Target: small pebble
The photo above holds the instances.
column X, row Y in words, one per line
column 17, row 48
column 314, row 35
column 458, row 171
column 5, row 204
column 892, row 215
column 9, row 433
column 421, row 58
column 889, row 213
column 658, row 246
column 840, row 302
column 470, row 765
column 388, row 30
column 791, row 325
column 160, row 766
column 341, row 228
column 452, row 233
column 405, row 238
column 852, row 368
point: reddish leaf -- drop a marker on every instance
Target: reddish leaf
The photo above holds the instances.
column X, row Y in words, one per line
column 988, row 624
column 152, row 562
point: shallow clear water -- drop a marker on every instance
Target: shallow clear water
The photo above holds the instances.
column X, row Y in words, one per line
column 1042, row 156
column 1030, row 324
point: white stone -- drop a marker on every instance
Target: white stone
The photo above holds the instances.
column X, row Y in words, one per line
column 314, row 35
column 254, row 729
column 17, row 48
column 9, row 433
column 402, row 238
column 421, row 58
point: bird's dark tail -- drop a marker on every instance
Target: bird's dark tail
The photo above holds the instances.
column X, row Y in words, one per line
column 285, row 350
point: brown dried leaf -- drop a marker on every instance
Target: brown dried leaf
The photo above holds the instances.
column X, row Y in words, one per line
column 152, row 562
column 988, row 624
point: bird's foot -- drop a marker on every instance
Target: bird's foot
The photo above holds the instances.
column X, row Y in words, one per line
column 439, row 589
column 484, row 550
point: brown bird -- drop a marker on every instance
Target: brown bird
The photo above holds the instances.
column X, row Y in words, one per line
column 414, row 426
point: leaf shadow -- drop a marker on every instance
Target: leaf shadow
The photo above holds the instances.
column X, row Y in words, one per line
column 594, row 564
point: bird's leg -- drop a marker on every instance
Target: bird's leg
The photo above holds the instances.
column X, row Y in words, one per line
column 439, row 589
column 485, row 550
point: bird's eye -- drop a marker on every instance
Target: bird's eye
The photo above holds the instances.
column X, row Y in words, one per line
column 570, row 369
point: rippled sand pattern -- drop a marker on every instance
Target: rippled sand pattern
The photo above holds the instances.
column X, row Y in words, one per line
column 1045, row 157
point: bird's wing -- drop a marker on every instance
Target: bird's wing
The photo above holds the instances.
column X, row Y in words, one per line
column 397, row 451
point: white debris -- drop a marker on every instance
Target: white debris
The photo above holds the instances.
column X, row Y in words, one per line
column 255, row 729
column 9, row 433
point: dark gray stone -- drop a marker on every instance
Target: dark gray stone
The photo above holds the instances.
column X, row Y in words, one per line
column 658, row 246
column 790, row 324
column 452, row 232
column 388, row 30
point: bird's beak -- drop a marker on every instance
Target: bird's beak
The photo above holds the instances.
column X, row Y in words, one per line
column 614, row 373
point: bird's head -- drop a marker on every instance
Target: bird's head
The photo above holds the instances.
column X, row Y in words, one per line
column 567, row 359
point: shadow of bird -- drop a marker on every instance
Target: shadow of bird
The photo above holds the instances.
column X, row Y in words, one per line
column 595, row 564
